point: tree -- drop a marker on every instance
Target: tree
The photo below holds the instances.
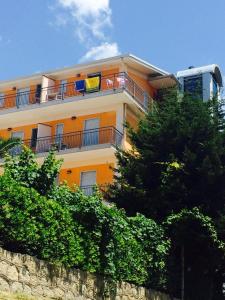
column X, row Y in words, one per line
column 25, row 169
column 196, row 253
column 177, row 162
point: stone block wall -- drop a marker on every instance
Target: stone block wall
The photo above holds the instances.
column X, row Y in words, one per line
column 27, row 275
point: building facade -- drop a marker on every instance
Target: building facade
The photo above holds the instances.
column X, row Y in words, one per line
column 204, row 82
column 80, row 112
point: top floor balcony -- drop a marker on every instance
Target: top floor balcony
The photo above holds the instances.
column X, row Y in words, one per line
column 23, row 99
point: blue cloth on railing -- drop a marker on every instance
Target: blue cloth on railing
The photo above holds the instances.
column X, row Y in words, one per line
column 80, row 85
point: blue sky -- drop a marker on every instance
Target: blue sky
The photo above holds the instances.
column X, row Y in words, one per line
column 41, row 35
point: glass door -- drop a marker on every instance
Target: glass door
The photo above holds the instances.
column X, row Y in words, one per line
column 59, row 135
column 91, row 132
column 87, row 182
column 22, row 96
column 18, row 148
column 33, row 142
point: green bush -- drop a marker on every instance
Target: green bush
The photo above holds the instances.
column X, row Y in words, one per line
column 32, row 224
column 65, row 226
column 133, row 249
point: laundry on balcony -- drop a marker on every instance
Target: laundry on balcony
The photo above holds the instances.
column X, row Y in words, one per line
column 109, row 83
column 80, row 86
column 92, row 84
column 121, row 81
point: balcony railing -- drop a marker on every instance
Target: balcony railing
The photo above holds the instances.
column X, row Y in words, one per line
column 88, row 190
column 112, row 83
column 79, row 139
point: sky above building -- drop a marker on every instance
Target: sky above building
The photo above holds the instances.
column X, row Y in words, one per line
column 42, row 35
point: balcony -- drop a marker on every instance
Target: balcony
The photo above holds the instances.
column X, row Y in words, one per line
column 107, row 84
column 73, row 142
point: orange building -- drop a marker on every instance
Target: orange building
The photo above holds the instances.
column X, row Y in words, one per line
column 80, row 111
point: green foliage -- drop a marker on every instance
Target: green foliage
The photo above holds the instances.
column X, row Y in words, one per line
column 65, row 226
column 25, row 169
column 116, row 246
column 7, row 144
column 176, row 173
column 185, row 132
column 30, row 223
column 152, row 238
column 195, row 236
column 185, row 226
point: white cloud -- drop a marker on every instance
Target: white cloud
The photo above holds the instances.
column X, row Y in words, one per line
column 103, row 51
column 92, row 17
column 92, row 21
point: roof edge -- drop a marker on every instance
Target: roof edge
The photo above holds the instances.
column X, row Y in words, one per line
column 214, row 69
column 86, row 65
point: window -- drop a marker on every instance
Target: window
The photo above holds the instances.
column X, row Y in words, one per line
column 87, row 182
column 63, row 86
column 22, row 96
column 59, row 135
column 193, row 86
column 2, row 99
column 16, row 149
column 17, row 134
column 215, row 88
column 33, row 141
column 38, row 92
column 91, row 132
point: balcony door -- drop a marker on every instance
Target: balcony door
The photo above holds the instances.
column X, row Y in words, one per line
column 22, row 96
column 59, row 135
column 87, row 182
column 44, row 138
column 2, row 99
column 91, row 132
column 33, row 142
column 17, row 149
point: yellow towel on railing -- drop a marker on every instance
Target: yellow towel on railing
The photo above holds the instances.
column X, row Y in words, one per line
column 92, row 84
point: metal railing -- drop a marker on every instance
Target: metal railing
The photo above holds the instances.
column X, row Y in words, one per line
column 88, row 190
column 18, row 100
column 111, row 82
column 78, row 139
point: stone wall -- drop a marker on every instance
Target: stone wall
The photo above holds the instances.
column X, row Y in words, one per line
column 30, row 276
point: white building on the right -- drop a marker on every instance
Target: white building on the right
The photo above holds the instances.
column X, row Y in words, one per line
column 205, row 82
